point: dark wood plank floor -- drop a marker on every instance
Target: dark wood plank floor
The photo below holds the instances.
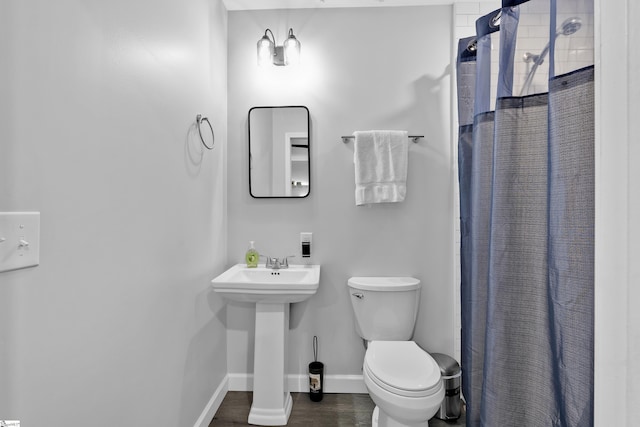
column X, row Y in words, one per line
column 335, row 410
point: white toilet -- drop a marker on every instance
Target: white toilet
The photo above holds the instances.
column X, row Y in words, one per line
column 402, row 379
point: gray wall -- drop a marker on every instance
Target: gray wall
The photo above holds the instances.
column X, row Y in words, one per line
column 117, row 325
column 367, row 68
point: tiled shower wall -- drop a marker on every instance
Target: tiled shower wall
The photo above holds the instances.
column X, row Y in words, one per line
column 572, row 52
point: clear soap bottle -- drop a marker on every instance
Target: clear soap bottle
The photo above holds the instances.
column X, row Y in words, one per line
column 252, row 256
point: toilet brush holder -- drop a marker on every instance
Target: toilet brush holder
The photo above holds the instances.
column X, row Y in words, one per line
column 316, row 375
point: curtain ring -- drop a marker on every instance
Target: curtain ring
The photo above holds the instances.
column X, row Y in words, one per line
column 472, row 46
column 199, row 120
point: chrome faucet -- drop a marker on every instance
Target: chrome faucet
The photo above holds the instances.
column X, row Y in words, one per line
column 277, row 264
column 273, row 263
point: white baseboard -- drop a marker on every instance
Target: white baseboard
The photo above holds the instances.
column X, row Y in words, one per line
column 214, row 403
column 297, row 384
column 240, row 382
column 300, row 383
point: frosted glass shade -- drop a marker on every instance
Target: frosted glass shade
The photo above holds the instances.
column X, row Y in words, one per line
column 291, row 50
column 265, row 51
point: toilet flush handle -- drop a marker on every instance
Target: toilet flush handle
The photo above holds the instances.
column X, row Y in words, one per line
column 358, row 295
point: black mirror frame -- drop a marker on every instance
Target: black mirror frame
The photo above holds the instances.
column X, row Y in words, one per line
column 308, row 143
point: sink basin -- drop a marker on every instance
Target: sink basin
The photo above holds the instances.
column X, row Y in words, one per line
column 294, row 284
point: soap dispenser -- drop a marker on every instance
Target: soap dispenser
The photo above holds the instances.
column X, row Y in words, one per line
column 252, row 256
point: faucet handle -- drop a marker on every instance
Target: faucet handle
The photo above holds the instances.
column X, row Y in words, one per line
column 285, row 261
column 269, row 262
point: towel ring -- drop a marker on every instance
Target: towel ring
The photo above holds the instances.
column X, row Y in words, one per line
column 199, row 120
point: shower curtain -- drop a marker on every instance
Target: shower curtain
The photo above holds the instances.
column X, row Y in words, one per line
column 526, row 179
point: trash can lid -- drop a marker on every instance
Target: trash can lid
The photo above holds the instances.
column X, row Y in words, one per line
column 448, row 365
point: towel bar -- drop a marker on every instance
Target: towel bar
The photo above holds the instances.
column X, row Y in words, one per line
column 414, row 138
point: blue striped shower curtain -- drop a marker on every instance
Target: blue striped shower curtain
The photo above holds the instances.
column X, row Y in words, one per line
column 526, row 176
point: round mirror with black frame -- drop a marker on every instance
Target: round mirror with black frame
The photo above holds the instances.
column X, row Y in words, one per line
column 279, row 153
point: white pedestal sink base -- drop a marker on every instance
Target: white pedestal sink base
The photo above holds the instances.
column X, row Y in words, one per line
column 271, row 417
column 272, row 291
column 271, row 398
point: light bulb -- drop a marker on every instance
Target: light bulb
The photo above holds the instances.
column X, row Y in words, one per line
column 265, row 51
column 291, row 50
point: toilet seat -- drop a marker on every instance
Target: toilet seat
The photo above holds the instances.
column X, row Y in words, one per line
column 402, row 368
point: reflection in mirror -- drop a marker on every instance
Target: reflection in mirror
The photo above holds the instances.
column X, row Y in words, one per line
column 279, row 159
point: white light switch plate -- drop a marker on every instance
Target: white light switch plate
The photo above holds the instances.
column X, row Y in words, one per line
column 19, row 240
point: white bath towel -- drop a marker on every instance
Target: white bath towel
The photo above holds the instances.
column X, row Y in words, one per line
column 381, row 159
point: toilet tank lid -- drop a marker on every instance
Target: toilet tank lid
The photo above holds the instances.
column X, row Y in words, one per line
column 384, row 283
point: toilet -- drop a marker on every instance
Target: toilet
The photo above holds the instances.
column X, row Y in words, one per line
column 403, row 380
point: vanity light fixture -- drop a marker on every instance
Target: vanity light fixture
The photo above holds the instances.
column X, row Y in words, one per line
column 270, row 53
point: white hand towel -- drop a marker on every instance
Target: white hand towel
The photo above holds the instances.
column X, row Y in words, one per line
column 381, row 159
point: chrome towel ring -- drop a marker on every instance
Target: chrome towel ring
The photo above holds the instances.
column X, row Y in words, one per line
column 199, row 120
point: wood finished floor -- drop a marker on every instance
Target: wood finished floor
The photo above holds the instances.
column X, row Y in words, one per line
column 335, row 410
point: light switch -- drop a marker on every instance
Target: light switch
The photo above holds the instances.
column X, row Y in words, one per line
column 19, row 240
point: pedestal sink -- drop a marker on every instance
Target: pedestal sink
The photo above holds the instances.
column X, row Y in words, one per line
column 272, row 291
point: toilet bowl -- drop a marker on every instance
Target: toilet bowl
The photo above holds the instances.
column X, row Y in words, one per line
column 404, row 382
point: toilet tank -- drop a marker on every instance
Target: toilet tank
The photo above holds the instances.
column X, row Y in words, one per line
column 385, row 308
